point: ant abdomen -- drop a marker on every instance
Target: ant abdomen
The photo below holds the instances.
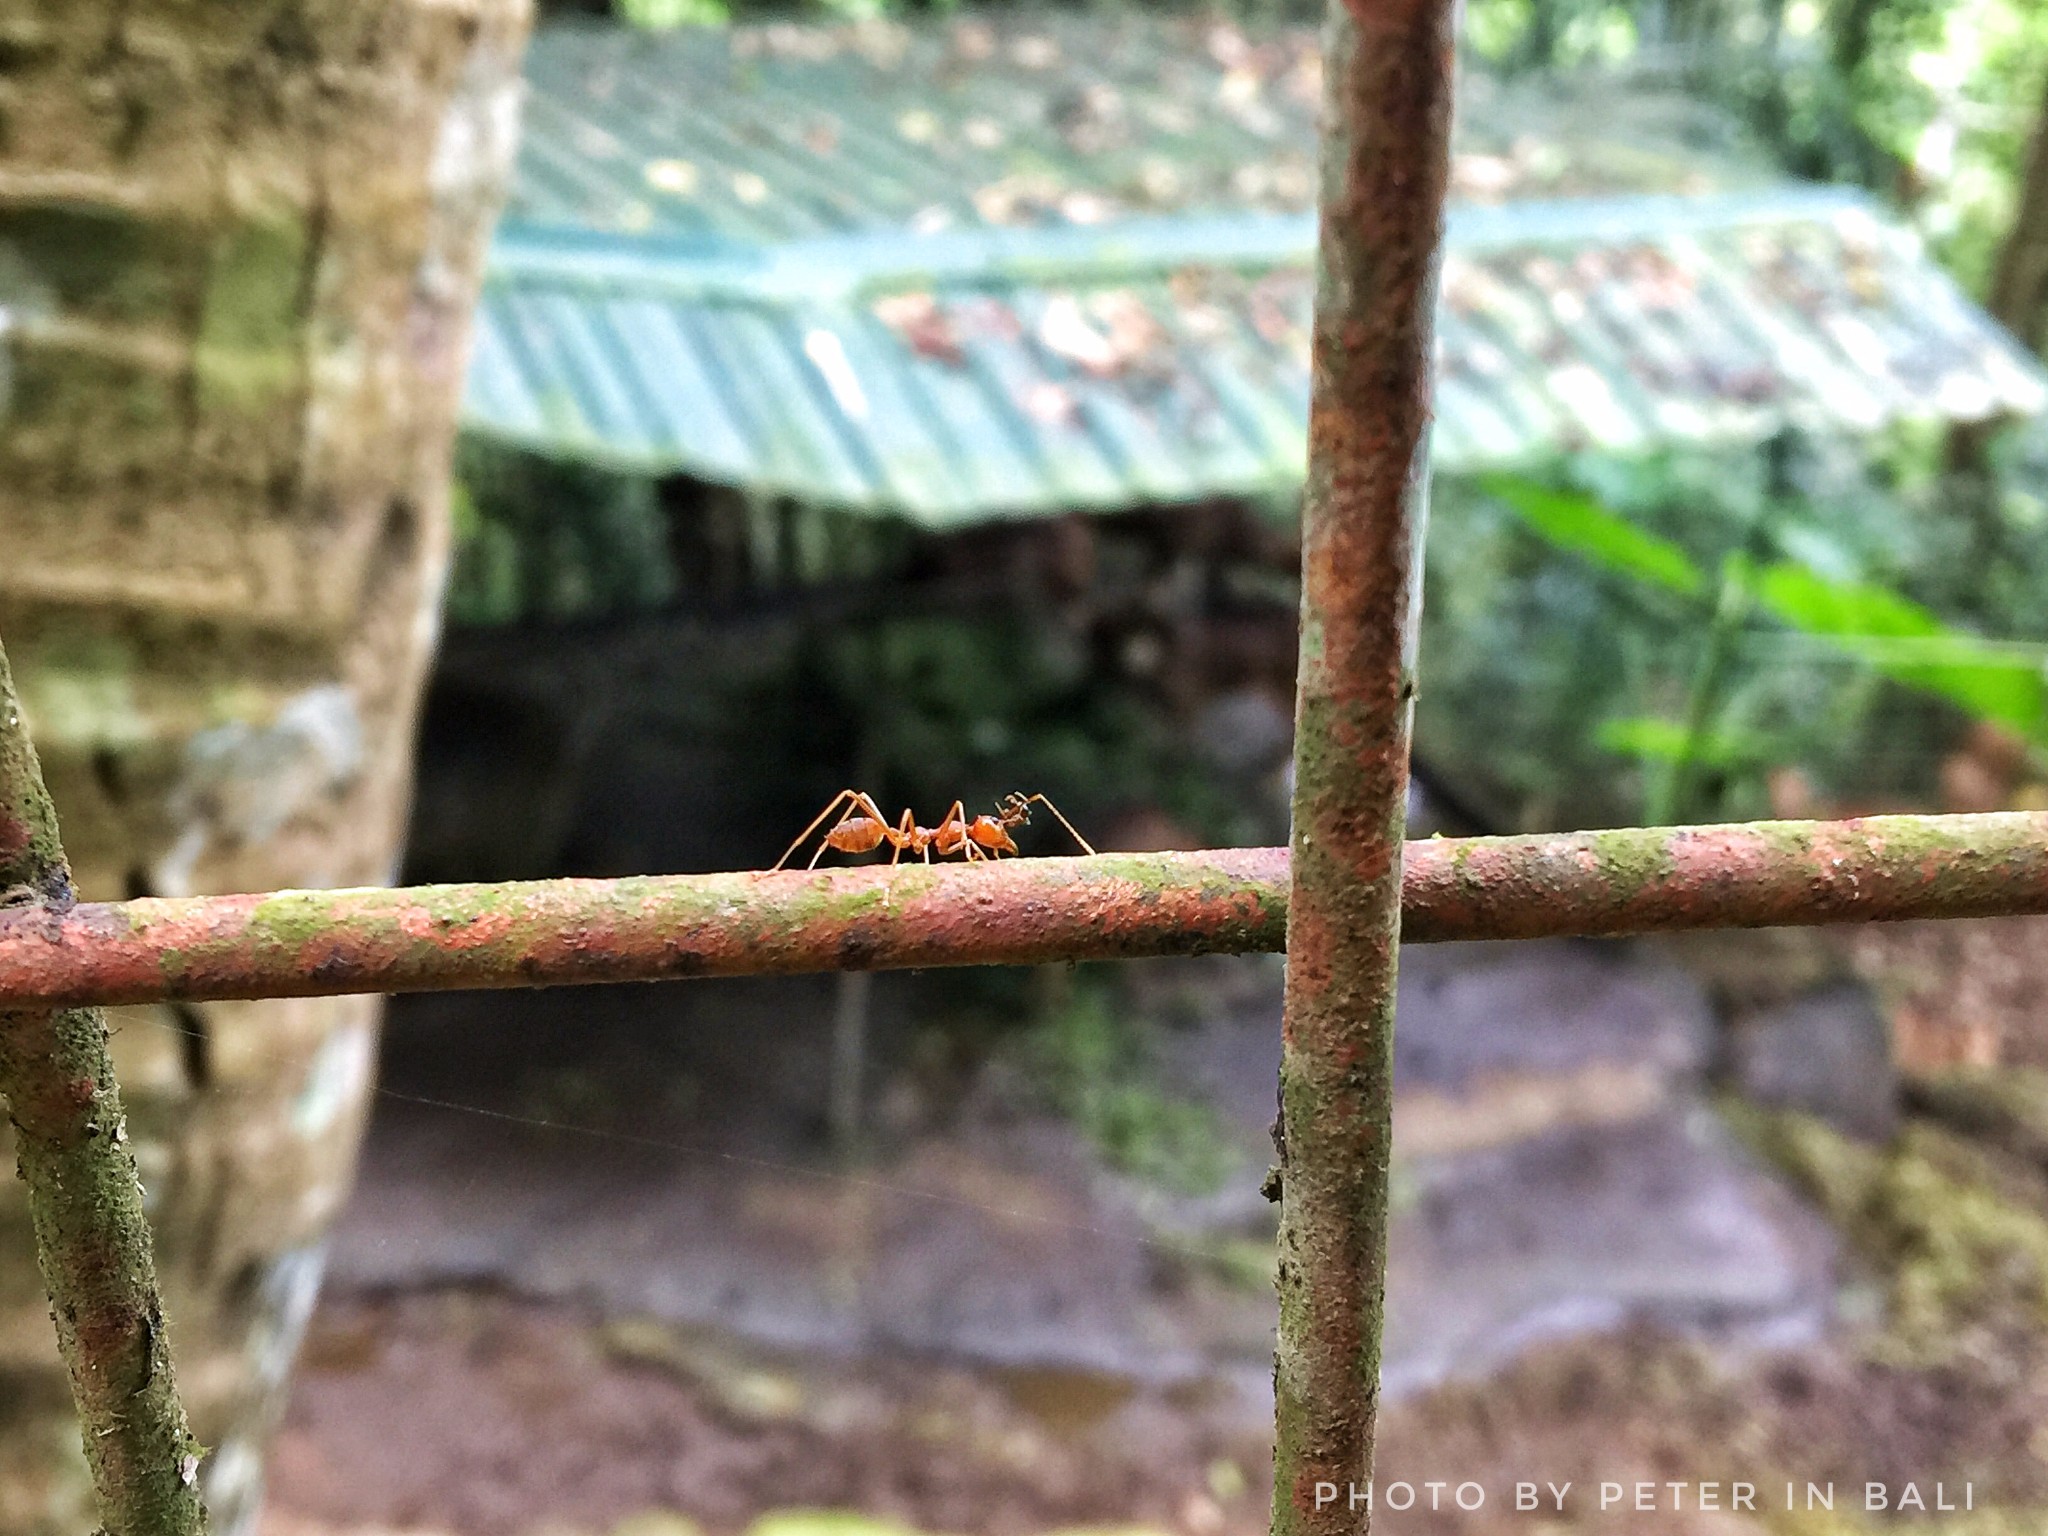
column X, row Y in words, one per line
column 857, row 834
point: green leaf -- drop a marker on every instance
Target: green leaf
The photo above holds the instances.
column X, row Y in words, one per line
column 662, row 15
column 1581, row 526
column 1665, row 741
column 1909, row 644
column 1807, row 600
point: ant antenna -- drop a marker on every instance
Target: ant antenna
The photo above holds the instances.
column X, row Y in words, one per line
column 1021, row 804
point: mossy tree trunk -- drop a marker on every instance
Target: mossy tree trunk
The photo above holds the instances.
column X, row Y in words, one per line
column 239, row 243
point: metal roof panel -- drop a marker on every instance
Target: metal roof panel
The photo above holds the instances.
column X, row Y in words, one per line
column 990, row 268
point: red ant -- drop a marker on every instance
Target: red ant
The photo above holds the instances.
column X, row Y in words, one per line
column 862, row 828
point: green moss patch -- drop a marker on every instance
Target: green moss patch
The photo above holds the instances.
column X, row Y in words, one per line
column 1956, row 1234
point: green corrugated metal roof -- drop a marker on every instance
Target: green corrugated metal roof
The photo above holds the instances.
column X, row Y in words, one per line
column 981, row 269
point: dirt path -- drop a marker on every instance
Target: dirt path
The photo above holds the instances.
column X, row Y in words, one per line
column 482, row 1415
column 679, row 1306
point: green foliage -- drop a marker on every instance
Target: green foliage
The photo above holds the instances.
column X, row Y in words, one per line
column 1552, row 34
column 974, row 707
column 1868, row 621
column 1963, row 1255
column 1097, row 1070
column 1567, row 623
column 1581, row 525
column 662, row 15
column 540, row 540
column 1950, row 88
column 1665, row 741
column 1930, row 101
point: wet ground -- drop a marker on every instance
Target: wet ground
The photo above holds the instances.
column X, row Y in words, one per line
column 476, row 1412
column 607, row 1258
column 1559, row 1171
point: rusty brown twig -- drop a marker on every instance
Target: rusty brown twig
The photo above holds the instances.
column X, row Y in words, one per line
column 1019, row 912
column 1387, row 71
column 84, row 1197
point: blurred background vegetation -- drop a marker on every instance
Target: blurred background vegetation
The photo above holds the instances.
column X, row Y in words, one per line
column 1814, row 627
column 1836, row 623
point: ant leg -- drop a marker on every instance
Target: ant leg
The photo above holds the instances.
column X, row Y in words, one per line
column 957, row 817
column 817, row 853
column 854, row 800
column 830, row 806
column 1040, row 799
column 825, row 842
column 901, row 838
column 862, row 803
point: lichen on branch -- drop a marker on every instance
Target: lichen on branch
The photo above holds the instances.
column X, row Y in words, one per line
column 85, row 1199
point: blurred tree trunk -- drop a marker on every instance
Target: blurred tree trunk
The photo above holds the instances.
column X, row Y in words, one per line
column 2019, row 281
column 2018, row 300
column 1851, row 26
column 239, row 243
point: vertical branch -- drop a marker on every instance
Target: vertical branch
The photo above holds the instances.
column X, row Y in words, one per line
column 86, row 1202
column 1387, row 68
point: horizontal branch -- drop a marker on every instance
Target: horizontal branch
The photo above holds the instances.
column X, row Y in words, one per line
column 1017, row 912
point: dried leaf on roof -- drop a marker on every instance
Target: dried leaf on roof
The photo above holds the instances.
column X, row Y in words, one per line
column 922, row 326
